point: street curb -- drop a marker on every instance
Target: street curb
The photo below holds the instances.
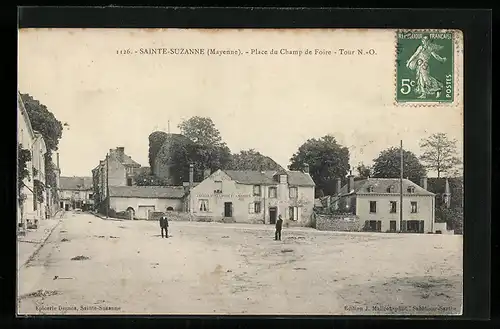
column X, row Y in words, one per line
column 109, row 218
column 41, row 244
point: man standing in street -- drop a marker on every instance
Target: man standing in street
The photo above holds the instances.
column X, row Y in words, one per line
column 164, row 225
column 279, row 225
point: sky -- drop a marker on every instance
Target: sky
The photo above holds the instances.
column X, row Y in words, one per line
column 271, row 103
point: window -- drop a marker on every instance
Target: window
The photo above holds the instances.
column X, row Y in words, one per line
column 273, row 192
column 291, row 213
column 393, row 206
column 373, row 206
column 90, row 196
column 256, row 207
column 203, row 205
column 218, row 186
column 411, row 189
column 414, row 208
column 283, row 179
column 256, row 190
column 129, row 181
column 370, row 188
column 293, row 192
column 390, row 189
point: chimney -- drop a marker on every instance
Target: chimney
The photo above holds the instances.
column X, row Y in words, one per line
column 191, row 176
column 120, row 151
column 423, row 182
column 306, row 168
column 206, row 173
column 350, row 182
column 57, row 160
column 338, row 185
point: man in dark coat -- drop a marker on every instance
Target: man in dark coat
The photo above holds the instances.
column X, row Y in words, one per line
column 164, row 225
column 279, row 225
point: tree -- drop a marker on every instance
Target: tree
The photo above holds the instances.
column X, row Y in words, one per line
column 252, row 160
column 327, row 161
column 148, row 179
column 201, row 130
column 439, row 154
column 44, row 121
column 23, row 157
column 388, row 165
column 364, row 171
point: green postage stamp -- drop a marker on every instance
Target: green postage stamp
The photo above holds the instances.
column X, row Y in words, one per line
column 425, row 67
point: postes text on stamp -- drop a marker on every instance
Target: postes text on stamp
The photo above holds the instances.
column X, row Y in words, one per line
column 424, row 67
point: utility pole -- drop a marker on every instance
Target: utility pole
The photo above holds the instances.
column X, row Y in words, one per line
column 401, row 190
column 168, row 126
column 107, row 185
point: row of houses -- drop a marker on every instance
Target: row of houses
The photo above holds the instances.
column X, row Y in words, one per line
column 34, row 201
column 261, row 196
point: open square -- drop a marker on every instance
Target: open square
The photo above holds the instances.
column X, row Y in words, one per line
column 215, row 268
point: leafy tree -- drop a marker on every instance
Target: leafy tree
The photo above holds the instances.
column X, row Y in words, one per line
column 388, row 165
column 156, row 140
column 23, row 157
column 252, row 160
column 148, row 179
column 327, row 161
column 44, row 121
column 364, row 171
column 201, row 130
column 439, row 154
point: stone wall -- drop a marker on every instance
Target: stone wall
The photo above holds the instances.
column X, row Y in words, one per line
column 340, row 222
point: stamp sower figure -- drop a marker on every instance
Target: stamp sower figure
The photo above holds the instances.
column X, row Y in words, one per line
column 419, row 61
column 164, row 225
column 279, row 225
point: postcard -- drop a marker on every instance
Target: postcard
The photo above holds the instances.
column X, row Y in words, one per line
column 240, row 171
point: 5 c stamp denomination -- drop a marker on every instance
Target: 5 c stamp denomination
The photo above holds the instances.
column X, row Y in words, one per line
column 424, row 66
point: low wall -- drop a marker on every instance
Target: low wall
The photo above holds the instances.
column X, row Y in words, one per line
column 443, row 228
column 345, row 223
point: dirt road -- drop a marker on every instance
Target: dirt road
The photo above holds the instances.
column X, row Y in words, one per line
column 213, row 268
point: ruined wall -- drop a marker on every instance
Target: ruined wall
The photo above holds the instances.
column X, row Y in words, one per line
column 344, row 223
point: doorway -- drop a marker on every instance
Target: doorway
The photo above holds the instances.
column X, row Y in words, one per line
column 272, row 215
column 228, row 209
column 415, row 226
column 66, row 207
column 392, row 227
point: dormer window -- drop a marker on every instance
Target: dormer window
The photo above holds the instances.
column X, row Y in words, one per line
column 370, row 188
column 390, row 189
column 411, row 189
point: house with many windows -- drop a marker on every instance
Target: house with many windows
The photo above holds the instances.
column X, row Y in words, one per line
column 376, row 201
column 254, row 197
column 117, row 169
column 76, row 193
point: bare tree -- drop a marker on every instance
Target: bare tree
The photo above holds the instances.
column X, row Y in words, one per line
column 439, row 154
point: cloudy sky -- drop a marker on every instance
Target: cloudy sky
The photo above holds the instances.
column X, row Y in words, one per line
column 272, row 103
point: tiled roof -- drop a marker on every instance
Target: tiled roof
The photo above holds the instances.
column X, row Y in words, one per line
column 75, row 183
column 155, row 192
column 297, row 178
column 252, row 176
column 381, row 186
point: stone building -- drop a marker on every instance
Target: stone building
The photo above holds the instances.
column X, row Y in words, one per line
column 376, row 202
column 163, row 164
column 142, row 201
column 254, row 196
column 76, row 193
column 117, row 169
